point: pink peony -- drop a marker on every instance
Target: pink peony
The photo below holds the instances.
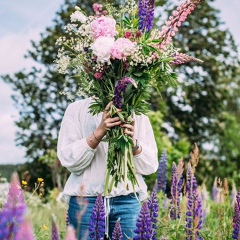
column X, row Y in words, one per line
column 103, row 27
column 122, row 48
column 102, row 48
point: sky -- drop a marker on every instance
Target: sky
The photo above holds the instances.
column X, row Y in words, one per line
column 24, row 20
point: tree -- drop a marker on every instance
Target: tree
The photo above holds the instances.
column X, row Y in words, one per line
column 196, row 104
column 192, row 109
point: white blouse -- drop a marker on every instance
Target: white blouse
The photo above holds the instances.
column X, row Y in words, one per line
column 87, row 165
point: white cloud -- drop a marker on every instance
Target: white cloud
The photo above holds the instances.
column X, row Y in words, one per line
column 15, row 47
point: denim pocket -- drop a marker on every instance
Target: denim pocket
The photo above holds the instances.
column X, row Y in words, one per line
column 133, row 195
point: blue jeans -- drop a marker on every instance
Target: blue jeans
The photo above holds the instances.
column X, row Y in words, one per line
column 126, row 208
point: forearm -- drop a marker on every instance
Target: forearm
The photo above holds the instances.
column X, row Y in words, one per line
column 95, row 138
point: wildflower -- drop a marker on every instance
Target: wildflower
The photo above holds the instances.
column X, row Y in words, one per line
column 24, row 183
column 153, row 210
column 55, row 233
column 175, row 20
column 143, row 230
column 215, row 192
column 162, row 173
column 194, row 207
column 97, row 221
column 181, row 58
column 176, row 186
column 236, row 218
column 45, row 227
column 98, row 75
column 13, row 210
column 146, row 14
column 234, row 193
column 117, row 231
column 127, row 34
column 97, row 8
column 78, row 16
column 120, row 89
column 71, row 235
column 40, row 180
column 25, row 231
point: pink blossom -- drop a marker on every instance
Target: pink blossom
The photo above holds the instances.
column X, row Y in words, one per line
column 127, row 34
column 102, row 48
column 97, row 8
column 122, row 48
column 98, row 75
column 103, row 27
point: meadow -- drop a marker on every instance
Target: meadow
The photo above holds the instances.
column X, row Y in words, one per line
column 188, row 211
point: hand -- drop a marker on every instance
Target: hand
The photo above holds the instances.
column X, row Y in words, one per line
column 107, row 121
column 129, row 129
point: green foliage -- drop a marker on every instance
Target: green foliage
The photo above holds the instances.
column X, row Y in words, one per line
column 40, row 215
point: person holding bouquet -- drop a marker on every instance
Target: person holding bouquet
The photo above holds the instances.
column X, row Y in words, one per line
column 83, row 151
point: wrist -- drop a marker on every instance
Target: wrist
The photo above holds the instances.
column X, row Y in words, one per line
column 99, row 133
column 136, row 146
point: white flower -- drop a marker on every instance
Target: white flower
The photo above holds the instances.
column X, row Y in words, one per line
column 62, row 63
column 78, row 16
column 101, row 48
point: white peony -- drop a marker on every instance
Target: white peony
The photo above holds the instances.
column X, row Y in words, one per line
column 102, row 48
column 78, row 16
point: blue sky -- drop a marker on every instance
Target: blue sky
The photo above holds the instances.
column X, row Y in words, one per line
column 24, row 20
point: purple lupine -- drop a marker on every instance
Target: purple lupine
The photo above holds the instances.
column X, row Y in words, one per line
column 117, row 231
column 234, row 193
column 13, row 210
column 120, row 89
column 176, row 187
column 162, row 173
column 143, row 225
column 153, row 210
column 97, row 221
column 25, row 231
column 182, row 58
column 215, row 192
column 175, row 20
column 145, row 14
column 236, row 218
column 55, row 232
column 194, row 207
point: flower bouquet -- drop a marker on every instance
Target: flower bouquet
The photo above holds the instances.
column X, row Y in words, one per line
column 118, row 57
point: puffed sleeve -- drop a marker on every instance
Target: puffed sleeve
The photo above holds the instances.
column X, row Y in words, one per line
column 73, row 151
column 146, row 162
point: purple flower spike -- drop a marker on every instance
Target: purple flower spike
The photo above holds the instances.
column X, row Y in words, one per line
column 153, row 209
column 120, row 89
column 162, row 173
column 117, row 231
column 146, row 14
column 55, row 233
column 236, row 218
column 97, row 222
column 25, row 232
column 12, row 213
column 143, row 230
column 215, row 192
column 194, row 207
column 176, row 187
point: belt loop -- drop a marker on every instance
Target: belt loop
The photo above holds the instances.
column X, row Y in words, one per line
column 107, row 211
